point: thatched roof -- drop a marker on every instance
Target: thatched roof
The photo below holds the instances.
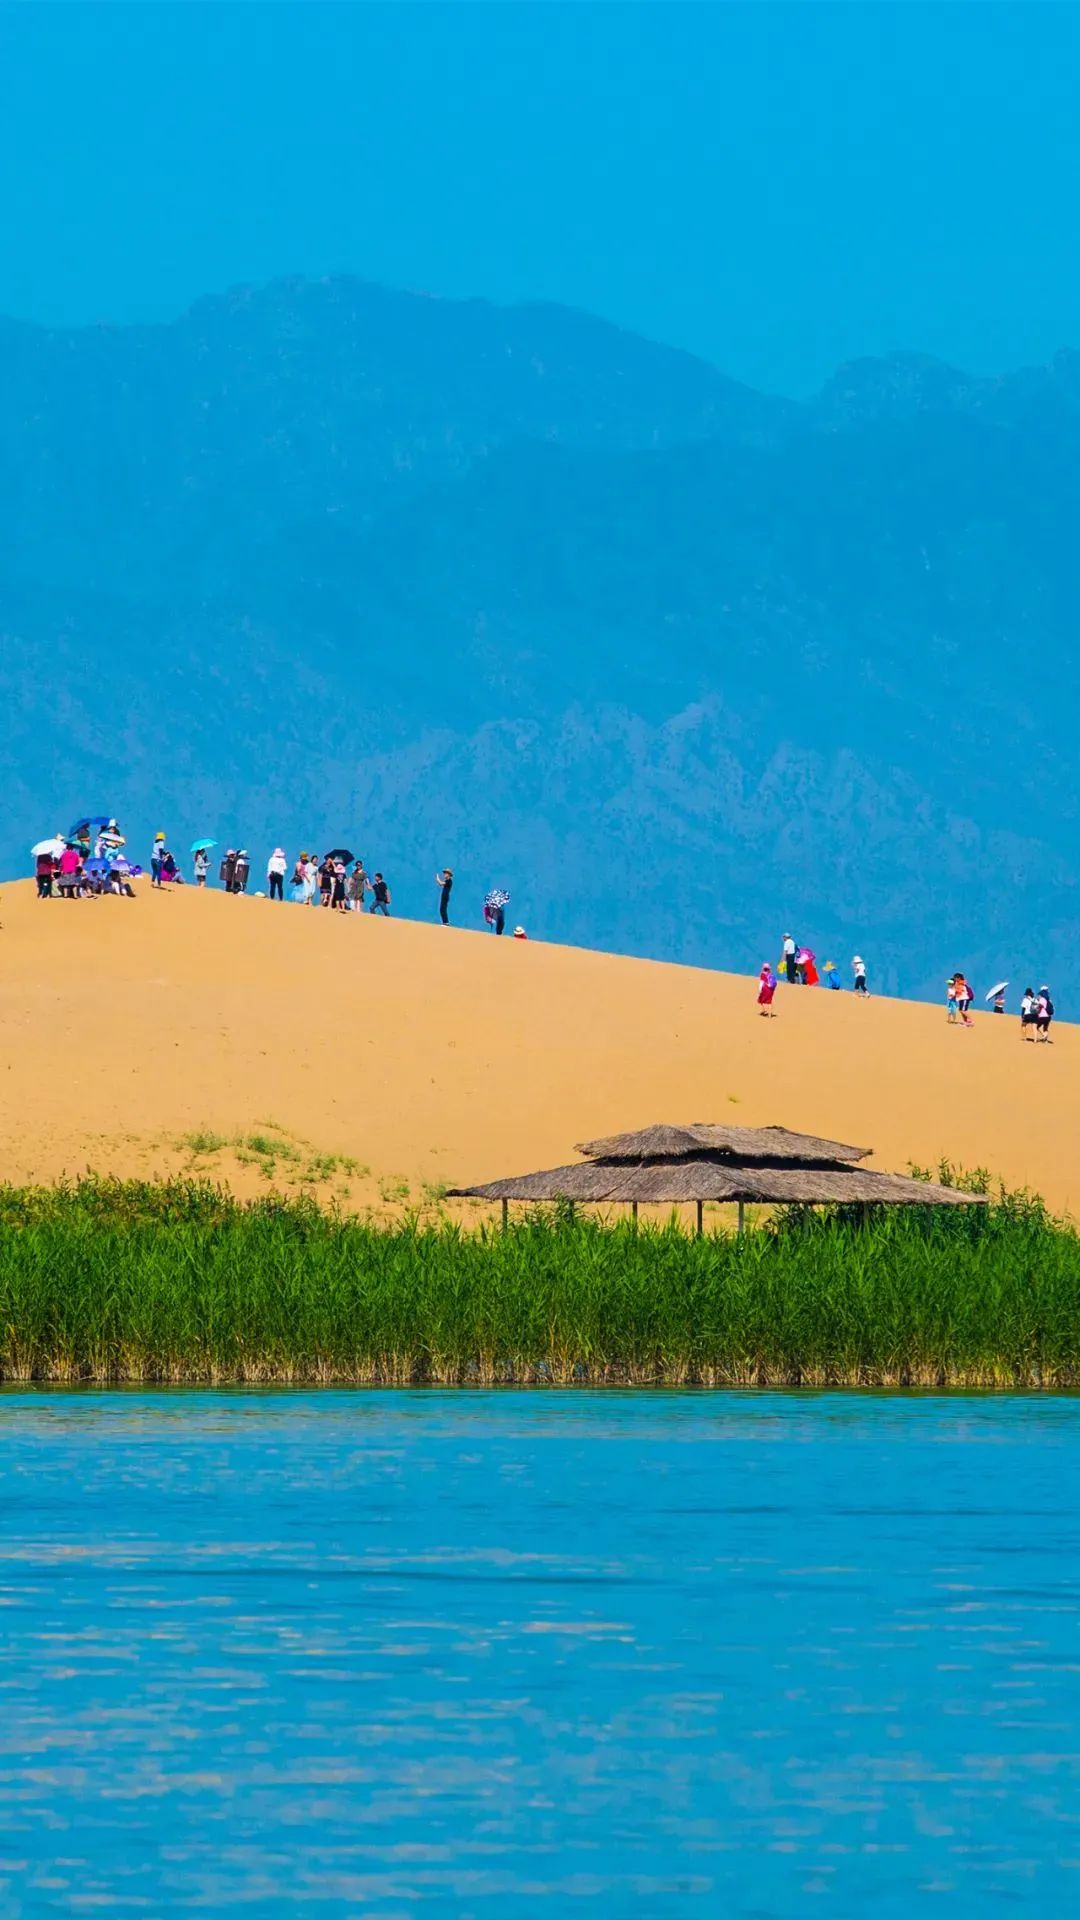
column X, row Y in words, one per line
column 775, row 1144
column 680, row 1181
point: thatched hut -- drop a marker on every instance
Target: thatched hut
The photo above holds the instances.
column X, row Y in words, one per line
column 689, row 1165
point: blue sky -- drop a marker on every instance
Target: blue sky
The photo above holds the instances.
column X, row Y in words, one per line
column 778, row 188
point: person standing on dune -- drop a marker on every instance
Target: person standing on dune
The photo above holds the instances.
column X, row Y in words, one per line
column 765, row 992
column 202, row 867
column 357, row 887
column 858, row 968
column 275, row 874
column 444, row 879
column 965, row 994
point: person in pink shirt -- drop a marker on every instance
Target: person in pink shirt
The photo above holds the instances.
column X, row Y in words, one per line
column 70, row 862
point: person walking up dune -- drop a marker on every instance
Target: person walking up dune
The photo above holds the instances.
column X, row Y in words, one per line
column 765, row 992
column 444, row 879
column 1044, row 1014
column 858, row 968
column 380, row 896
column 1027, row 1014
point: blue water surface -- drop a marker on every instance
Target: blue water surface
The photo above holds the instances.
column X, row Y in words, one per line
column 511, row 1654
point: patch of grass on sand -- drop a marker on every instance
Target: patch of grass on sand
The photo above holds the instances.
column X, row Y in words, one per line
column 202, row 1141
column 324, row 1166
column 394, row 1189
column 262, row 1144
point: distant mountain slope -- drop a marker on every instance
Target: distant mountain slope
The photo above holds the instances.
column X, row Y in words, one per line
column 511, row 588
column 124, row 448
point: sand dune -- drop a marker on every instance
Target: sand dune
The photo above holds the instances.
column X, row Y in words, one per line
column 432, row 1056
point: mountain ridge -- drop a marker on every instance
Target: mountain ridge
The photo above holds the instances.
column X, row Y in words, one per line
column 347, row 560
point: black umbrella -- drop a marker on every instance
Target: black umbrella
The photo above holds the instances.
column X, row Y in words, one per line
column 342, row 854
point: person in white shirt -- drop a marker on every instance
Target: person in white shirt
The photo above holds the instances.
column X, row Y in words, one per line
column 858, row 968
column 790, row 950
column 275, row 874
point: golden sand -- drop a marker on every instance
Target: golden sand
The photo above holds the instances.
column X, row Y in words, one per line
column 432, row 1056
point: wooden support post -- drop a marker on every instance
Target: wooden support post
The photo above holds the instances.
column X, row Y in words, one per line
column 742, row 1216
column 700, row 1212
column 506, row 1214
column 633, row 1211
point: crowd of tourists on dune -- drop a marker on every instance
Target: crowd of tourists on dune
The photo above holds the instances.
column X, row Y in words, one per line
column 797, row 967
column 92, row 858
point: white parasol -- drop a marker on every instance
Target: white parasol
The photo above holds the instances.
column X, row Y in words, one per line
column 994, row 991
column 54, row 846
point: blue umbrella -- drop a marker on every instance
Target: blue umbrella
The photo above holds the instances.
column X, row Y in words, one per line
column 97, row 866
column 202, row 846
column 88, row 820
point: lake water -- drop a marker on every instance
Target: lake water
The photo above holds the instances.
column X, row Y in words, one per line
column 515, row 1654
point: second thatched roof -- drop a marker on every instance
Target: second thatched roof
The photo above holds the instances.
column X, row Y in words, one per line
column 713, row 1178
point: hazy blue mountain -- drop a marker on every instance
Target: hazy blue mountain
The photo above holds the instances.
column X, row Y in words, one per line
column 678, row 663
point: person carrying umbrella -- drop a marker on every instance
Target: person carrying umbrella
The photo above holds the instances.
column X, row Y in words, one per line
column 200, row 850
column 495, row 905
column 44, row 868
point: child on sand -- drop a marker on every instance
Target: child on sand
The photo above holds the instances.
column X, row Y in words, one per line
column 765, row 992
column 950, row 998
column 858, row 968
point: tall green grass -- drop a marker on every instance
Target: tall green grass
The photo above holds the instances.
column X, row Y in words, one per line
column 179, row 1282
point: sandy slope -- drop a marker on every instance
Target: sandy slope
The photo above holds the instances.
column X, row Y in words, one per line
column 437, row 1056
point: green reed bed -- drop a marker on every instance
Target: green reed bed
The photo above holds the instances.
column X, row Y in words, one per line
column 131, row 1282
